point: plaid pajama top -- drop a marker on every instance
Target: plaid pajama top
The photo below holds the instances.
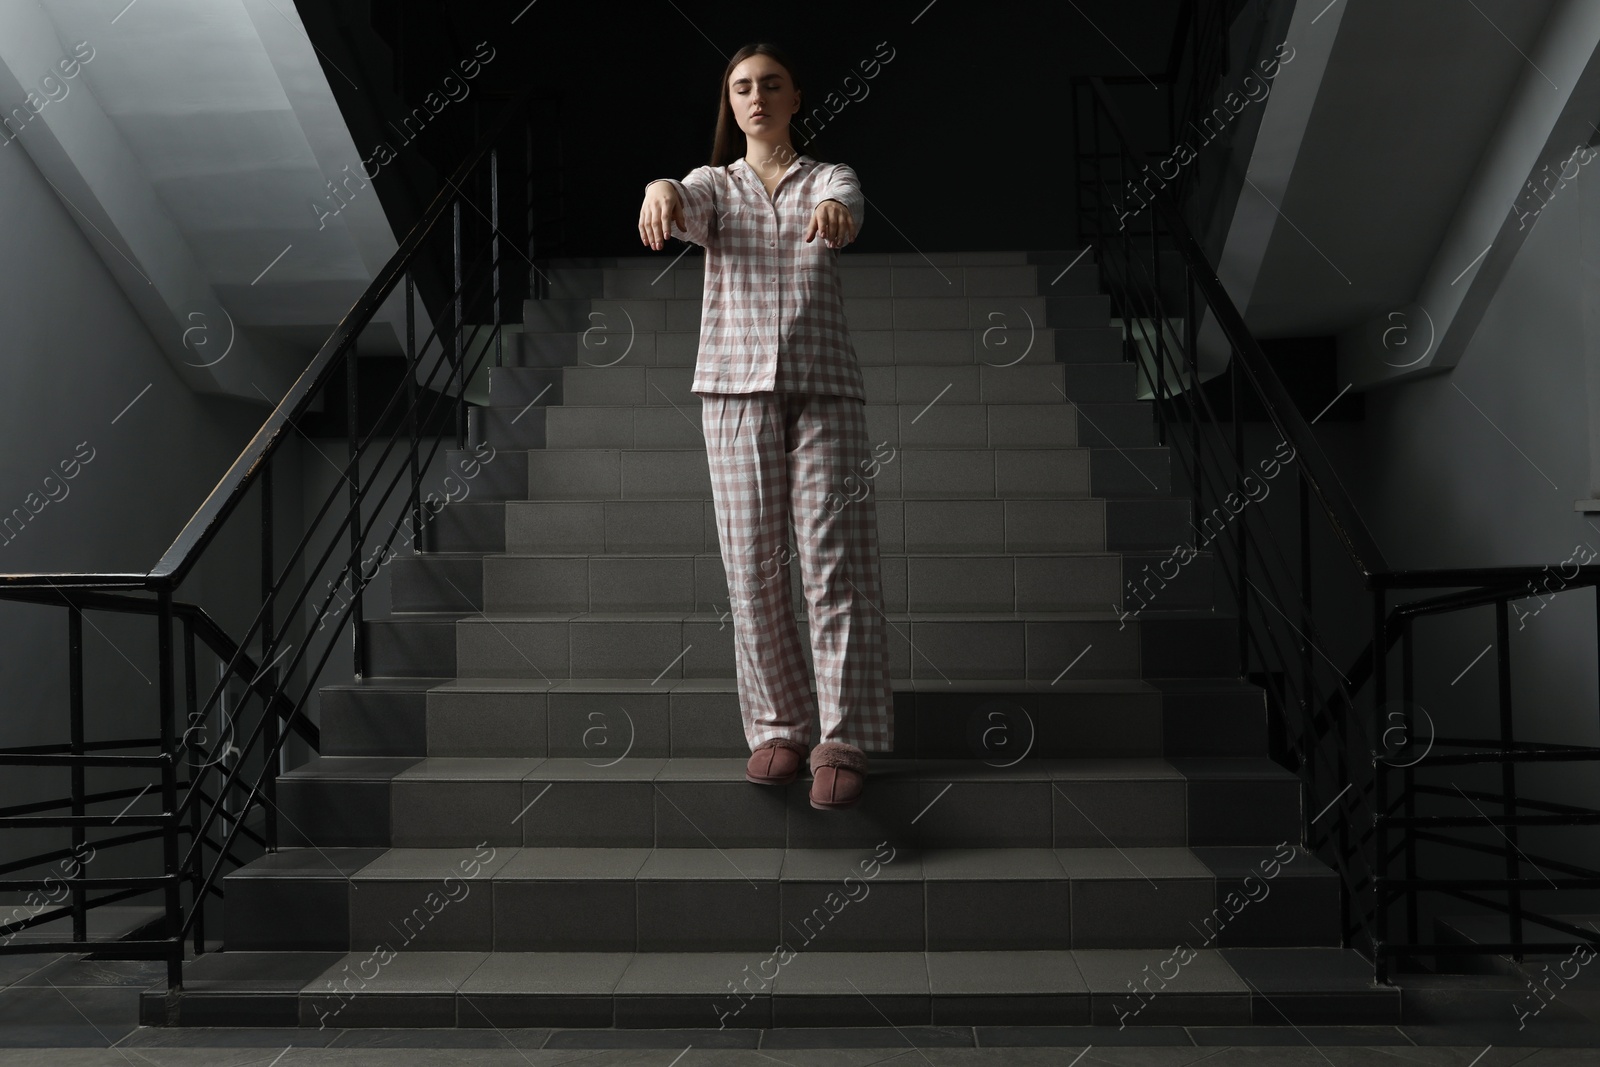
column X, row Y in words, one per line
column 772, row 314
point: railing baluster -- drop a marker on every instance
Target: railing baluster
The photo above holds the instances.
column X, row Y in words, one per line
column 357, row 593
column 458, row 377
column 169, row 789
column 1308, row 711
column 1164, row 411
column 1243, row 538
column 412, row 412
column 1408, row 772
column 1191, row 344
column 270, row 809
column 494, row 253
column 535, row 288
column 190, row 708
column 1508, row 771
column 1380, row 793
column 75, row 712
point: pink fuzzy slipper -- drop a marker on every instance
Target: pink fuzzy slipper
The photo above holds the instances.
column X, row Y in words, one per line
column 775, row 761
column 838, row 772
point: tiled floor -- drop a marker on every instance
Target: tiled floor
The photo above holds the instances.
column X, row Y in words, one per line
column 70, row 1011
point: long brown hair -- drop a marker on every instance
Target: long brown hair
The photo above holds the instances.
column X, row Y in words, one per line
column 724, row 149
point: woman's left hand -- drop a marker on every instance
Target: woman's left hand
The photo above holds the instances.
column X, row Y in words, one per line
column 832, row 219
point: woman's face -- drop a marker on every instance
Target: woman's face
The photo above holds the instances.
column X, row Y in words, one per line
column 763, row 98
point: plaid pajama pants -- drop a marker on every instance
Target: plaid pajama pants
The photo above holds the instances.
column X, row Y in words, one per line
column 778, row 458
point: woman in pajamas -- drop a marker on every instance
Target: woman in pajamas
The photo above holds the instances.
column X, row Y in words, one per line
column 783, row 416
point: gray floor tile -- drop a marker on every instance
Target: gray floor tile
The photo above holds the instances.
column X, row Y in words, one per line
column 710, row 864
column 992, row 864
column 577, row 973
column 1108, row 971
column 853, row 973
column 702, row 973
column 216, row 1037
column 1308, row 1036
column 1042, row 971
column 832, row 865
column 404, row 972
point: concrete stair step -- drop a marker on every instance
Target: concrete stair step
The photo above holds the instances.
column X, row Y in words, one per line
column 1020, row 314
column 780, row 987
column 703, row 802
column 997, row 720
column 1025, row 383
column 610, row 338
column 1001, row 257
column 654, row 899
column 672, row 425
column 689, row 525
column 1139, row 519
column 650, row 281
column 949, row 646
column 930, row 473
column 687, row 581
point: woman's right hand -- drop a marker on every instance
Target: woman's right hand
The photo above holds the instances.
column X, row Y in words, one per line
column 662, row 208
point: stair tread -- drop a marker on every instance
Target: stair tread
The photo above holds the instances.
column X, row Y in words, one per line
column 380, row 683
column 979, row 973
column 712, row 616
column 792, row 864
column 882, row 767
column 636, row 554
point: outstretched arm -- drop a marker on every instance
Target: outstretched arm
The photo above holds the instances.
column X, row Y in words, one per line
column 840, row 220
column 682, row 209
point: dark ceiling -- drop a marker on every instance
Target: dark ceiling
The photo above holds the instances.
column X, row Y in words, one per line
column 962, row 136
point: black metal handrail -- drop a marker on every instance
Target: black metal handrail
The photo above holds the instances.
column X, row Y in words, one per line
column 1335, row 729
column 217, row 773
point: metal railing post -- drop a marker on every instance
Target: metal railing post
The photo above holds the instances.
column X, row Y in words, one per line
column 269, row 827
column 80, row 909
column 352, row 415
column 412, row 414
column 1243, row 540
column 1380, row 797
column 494, row 253
column 190, row 706
column 1508, row 775
column 167, row 685
column 459, row 369
column 1408, row 772
column 1164, row 410
column 1191, row 344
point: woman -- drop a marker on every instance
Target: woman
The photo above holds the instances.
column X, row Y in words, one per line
column 783, row 415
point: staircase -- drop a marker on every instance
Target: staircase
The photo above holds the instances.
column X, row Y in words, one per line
column 532, row 812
